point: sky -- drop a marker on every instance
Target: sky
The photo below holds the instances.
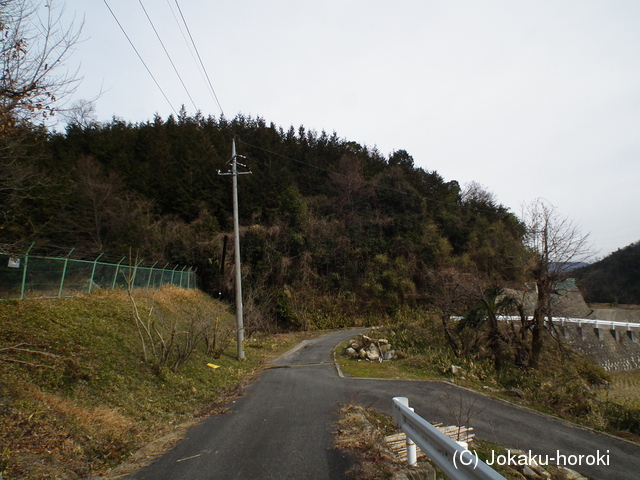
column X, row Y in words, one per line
column 531, row 99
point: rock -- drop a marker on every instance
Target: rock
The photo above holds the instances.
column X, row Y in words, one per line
column 515, row 392
column 373, row 353
column 455, row 369
column 365, row 347
column 530, row 474
column 490, row 389
column 540, row 470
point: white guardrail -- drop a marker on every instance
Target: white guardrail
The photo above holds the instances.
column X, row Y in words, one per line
column 454, row 460
column 580, row 321
column 564, row 320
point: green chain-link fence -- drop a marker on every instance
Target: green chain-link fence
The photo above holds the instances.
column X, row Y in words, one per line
column 30, row 276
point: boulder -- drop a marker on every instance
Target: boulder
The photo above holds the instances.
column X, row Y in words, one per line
column 373, row 353
column 365, row 347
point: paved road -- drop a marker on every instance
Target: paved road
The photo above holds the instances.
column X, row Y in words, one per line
column 282, row 428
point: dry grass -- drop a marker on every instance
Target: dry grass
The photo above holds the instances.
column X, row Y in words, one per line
column 624, row 388
column 361, row 432
column 76, row 397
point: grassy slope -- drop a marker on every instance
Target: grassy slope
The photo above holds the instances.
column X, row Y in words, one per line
column 76, row 397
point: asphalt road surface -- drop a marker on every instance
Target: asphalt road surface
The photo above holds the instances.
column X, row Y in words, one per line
column 282, row 427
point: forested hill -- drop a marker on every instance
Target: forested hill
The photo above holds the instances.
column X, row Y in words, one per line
column 614, row 279
column 325, row 221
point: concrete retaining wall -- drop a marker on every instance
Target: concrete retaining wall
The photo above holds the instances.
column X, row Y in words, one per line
column 614, row 349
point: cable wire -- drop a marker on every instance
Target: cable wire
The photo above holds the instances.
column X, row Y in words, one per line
column 195, row 60
column 199, row 58
column 140, row 56
column 168, row 56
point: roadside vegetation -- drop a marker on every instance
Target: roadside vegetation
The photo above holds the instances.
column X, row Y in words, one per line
column 76, row 394
column 565, row 384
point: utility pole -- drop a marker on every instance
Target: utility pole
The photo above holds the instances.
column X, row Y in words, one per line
column 236, row 233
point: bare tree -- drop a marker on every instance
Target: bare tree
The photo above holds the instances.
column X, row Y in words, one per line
column 81, row 113
column 476, row 193
column 556, row 243
column 34, row 45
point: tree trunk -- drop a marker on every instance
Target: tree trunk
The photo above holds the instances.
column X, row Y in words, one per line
column 538, row 326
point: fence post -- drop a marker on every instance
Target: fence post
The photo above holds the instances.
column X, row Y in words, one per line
column 164, row 269
column 93, row 271
column 64, row 272
column 24, row 271
column 135, row 272
column 182, row 275
column 115, row 275
column 173, row 273
column 151, row 274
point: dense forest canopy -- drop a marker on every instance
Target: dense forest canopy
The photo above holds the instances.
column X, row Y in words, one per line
column 321, row 216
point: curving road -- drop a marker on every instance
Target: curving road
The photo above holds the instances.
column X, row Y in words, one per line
column 282, row 427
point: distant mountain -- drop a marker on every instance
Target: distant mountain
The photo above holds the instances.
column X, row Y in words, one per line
column 570, row 266
column 614, row 279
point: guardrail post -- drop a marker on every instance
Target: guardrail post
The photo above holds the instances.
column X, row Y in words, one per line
column 412, row 455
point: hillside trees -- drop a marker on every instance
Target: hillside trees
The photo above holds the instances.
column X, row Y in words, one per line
column 321, row 217
column 614, row 279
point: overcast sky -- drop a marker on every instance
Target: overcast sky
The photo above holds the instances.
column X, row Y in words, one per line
column 528, row 98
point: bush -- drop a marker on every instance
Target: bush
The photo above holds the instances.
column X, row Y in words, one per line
column 621, row 417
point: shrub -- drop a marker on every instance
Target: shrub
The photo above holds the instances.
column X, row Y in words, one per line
column 621, row 417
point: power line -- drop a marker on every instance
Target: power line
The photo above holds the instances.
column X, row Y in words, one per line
column 195, row 60
column 199, row 58
column 168, row 56
column 140, row 57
